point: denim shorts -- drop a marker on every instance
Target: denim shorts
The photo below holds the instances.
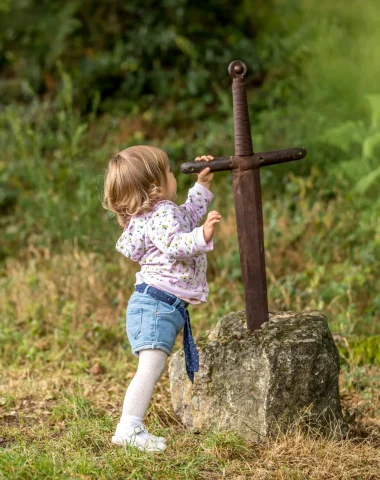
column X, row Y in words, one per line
column 152, row 323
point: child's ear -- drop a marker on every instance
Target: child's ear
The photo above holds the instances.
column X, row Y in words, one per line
column 157, row 191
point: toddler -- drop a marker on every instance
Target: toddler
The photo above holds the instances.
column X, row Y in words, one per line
column 165, row 239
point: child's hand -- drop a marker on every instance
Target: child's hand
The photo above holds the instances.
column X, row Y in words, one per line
column 209, row 225
column 205, row 176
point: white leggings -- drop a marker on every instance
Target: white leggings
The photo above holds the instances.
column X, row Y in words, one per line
column 139, row 393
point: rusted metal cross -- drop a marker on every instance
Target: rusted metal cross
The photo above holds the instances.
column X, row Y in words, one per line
column 245, row 166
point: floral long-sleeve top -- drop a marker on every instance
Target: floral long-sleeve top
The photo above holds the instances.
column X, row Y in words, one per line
column 170, row 247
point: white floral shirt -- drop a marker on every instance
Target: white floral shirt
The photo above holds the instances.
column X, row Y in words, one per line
column 170, row 247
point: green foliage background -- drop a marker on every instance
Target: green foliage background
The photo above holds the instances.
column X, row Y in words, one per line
column 80, row 80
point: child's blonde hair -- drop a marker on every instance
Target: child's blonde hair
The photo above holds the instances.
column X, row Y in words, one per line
column 135, row 181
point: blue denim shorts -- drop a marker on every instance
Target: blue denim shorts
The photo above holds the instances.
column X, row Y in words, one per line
column 152, row 323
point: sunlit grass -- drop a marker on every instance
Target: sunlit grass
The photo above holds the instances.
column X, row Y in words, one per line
column 60, row 426
column 66, row 363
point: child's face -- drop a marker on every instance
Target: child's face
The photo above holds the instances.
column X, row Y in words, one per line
column 171, row 189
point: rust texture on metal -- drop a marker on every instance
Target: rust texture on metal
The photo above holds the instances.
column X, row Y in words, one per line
column 248, row 208
column 257, row 160
column 245, row 166
column 249, row 220
column 219, row 164
column 242, row 128
column 281, row 156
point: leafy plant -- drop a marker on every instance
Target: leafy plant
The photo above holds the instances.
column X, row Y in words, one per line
column 363, row 139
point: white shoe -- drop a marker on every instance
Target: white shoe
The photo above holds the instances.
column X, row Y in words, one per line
column 147, row 442
column 120, row 431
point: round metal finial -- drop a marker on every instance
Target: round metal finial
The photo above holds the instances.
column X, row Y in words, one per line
column 237, row 68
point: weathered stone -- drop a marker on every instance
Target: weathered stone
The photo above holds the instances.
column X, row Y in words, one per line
column 254, row 383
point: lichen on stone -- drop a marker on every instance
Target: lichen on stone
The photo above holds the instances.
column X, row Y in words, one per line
column 257, row 381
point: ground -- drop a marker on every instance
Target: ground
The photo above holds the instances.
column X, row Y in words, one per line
column 58, row 424
column 66, row 363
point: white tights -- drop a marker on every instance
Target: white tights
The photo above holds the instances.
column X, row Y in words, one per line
column 139, row 393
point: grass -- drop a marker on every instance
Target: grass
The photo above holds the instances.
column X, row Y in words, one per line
column 58, row 425
column 66, row 363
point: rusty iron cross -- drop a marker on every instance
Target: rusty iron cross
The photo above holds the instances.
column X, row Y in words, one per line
column 245, row 166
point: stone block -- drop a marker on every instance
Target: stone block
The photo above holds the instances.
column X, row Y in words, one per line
column 255, row 383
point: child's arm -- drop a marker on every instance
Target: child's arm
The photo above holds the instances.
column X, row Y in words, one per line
column 197, row 202
column 166, row 233
column 199, row 196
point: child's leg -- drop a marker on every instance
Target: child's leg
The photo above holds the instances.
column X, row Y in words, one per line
column 139, row 393
column 138, row 396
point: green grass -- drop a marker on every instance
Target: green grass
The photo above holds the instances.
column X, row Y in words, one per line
column 50, row 433
column 66, row 363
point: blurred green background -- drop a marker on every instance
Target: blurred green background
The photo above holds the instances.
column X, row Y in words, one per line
column 80, row 80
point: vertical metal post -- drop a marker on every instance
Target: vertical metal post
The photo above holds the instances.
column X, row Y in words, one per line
column 248, row 208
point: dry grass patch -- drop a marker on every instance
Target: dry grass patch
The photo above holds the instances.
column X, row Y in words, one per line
column 74, row 416
column 65, row 364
